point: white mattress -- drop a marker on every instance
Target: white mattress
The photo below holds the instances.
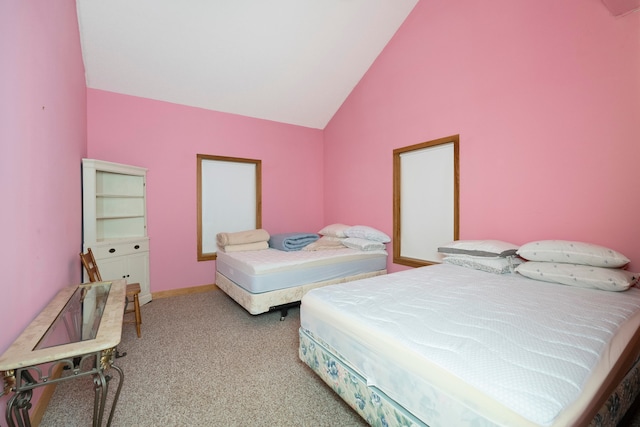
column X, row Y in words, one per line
column 503, row 349
column 271, row 269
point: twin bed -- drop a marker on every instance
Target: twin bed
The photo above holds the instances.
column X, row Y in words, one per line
column 271, row 279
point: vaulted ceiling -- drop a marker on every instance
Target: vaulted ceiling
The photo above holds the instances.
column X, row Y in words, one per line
column 291, row 61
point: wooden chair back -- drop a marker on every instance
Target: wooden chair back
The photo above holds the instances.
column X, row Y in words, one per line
column 133, row 289
column 89, row 263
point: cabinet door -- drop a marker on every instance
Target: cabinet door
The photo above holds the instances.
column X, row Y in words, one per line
column 113, row 268
column 138, row 272
column 134, row 268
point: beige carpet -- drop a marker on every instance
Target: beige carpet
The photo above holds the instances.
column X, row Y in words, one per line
column 204, row 361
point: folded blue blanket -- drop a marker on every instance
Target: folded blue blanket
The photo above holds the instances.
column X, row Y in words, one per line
column 291, row 241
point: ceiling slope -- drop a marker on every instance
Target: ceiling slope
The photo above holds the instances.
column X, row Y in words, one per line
column 291, row 61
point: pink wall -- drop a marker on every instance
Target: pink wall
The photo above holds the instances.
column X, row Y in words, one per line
column 165, row 138
column 546, row 99
column 42, row 139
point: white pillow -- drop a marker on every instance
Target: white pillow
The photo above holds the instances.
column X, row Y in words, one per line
column 583, row 276
column 369, row 233
column 487, row 248
column 334, row 230
column 572, row 253
column 362, row 244
column 495, row 265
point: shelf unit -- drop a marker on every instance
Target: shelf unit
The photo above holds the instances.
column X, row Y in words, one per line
column 115, row 221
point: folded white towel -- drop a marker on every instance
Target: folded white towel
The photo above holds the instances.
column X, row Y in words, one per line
column 242, row 237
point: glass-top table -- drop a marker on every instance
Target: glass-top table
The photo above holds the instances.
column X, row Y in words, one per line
column 78, row 331
column 80, row 318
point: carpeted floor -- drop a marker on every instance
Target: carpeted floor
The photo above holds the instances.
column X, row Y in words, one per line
column 204, row 361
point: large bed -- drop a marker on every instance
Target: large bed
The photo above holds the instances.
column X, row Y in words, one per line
column 446, row 345
column 272, row 279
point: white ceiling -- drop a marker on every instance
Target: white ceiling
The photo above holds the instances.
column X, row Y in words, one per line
column 291, row 61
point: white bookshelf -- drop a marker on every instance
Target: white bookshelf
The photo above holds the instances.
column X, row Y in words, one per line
column 115, row 221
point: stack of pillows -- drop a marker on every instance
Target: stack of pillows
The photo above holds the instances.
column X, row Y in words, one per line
column 359, row 237
column 576, row 264
column 492, row 256
column 557, row 261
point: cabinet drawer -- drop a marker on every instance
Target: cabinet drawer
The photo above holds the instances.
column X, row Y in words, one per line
column 119, row 249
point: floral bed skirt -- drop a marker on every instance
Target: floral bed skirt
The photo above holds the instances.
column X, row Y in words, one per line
column 380, row 410
column 372, row 405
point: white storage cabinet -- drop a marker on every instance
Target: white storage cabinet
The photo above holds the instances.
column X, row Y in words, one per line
column 115, row 221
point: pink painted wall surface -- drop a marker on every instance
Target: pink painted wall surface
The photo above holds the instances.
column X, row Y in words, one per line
column 165, row 138
column 42, row 139
column 546, row 99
